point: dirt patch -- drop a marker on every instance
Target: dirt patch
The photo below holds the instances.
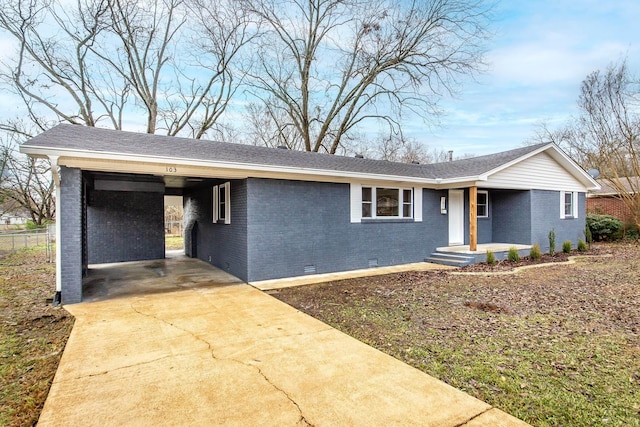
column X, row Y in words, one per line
column 554, row 345
column 33, row 334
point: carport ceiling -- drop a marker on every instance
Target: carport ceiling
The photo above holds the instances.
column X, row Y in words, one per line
column 169, row 181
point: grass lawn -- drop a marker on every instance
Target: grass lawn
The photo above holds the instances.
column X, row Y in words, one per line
column 554, row 346
column 32, row 335
column 172, row 242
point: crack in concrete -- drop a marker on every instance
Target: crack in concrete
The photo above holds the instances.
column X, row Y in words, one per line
column 302, row 418
column 147, row 362
column 464, row 423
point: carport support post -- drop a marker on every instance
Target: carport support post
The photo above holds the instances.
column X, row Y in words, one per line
column 57, row 298
column 473, row 218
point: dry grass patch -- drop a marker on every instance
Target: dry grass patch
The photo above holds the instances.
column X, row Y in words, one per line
column 32, row 335
column 557, row 345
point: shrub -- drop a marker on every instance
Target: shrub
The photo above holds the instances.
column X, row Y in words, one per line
column 631, row 231
column 603, row 227
column 566, row 246
column 587, row 235
column 535, row 252
column 491, row 258
column 513, row 255
column 582, row 246
column 552, row 242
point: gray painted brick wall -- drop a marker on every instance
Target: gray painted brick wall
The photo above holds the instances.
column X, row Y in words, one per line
column 125, row 226
column 294, row 224
column 70, row 245
column 545, row 214
column 222, row 245
column 511, row 216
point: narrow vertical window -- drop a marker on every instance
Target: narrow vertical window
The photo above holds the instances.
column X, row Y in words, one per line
column 222, row 203
column 482, row 204
column 407, row 206
column 568, row 204
column 367, row 202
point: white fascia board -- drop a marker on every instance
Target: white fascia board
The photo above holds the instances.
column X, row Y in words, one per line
column 62, row 153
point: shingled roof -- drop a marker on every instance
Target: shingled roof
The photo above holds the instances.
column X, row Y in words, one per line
column 74, row 138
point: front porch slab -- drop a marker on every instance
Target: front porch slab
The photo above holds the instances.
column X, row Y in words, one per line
column 482, row 248
column 462, row 255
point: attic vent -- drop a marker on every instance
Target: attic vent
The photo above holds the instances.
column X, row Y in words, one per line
column 310, row 269
column 373, row 262
column 359, row 156
column 283, row 147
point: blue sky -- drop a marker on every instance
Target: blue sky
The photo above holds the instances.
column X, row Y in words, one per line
column 540, row 53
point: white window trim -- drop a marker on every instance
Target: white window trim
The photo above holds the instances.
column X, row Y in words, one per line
column 574, row 204
column 215, row 204
column 487, row 198
column 356, row 202
column 227, row 205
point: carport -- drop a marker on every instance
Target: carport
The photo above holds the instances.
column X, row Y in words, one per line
column 110, row 202
column 122, row 221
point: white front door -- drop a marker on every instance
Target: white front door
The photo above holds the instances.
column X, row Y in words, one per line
column 456, row 217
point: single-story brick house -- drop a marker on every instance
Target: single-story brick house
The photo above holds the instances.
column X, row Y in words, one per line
column 607, row 200
column 265, row 213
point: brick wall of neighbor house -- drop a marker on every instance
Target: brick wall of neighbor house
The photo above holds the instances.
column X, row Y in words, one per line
column 545, row 215
column 511, row 216
column 607, row 205
column 297, row 227
column 125, row 226
column 222, row 245
column 70, row 245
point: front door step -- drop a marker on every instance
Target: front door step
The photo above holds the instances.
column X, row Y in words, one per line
column 455, row 260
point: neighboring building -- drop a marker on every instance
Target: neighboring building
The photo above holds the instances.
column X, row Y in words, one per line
column 12, row 216
column 607, row 199
column 266, row 213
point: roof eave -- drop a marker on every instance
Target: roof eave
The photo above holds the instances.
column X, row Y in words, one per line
column 70, row 154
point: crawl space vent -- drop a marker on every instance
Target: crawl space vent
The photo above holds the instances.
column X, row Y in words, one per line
column 373, row 262
column 310, row 269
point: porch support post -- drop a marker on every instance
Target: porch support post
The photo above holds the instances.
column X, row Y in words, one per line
column 473, row 218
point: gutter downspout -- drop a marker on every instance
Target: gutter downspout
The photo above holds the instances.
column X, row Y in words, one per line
column 57, row 297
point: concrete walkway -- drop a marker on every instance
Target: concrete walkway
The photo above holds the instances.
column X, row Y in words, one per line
column 228, row 354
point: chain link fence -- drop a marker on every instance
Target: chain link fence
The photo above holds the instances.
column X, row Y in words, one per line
column 16, row 240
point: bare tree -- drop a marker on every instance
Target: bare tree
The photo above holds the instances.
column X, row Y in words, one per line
column 168, row 61
column 332, row 67
column 26, row 182
column 606, row 134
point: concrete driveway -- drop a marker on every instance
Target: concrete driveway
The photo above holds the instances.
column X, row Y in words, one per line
column 225, row 353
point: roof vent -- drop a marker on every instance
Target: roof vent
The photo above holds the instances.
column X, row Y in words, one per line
column 283, row 147
column 359, row 156
column 451, row 155
column 415, row 162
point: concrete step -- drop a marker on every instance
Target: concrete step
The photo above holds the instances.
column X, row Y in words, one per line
column 443, row 258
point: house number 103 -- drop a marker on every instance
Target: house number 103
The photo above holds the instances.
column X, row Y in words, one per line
column 171, row 169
